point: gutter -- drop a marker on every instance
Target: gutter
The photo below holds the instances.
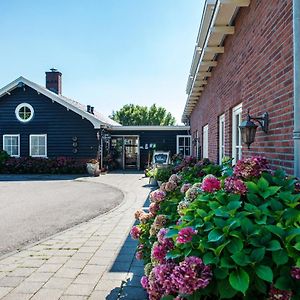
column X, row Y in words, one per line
column 296, row 36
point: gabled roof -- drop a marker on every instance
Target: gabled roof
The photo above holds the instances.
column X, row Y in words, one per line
column 97, row 119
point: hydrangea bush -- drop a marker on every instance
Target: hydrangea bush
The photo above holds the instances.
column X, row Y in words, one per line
column 229, row 235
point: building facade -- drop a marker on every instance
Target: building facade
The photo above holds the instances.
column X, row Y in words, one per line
column 243, row 61
column 40, row 122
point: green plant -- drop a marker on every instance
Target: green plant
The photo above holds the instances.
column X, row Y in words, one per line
column 162, row 174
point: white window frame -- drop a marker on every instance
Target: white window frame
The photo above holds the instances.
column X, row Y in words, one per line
column 177, row 144
column 221, row 137
column 205, row 141
column 236, row 111
column 18, row 109
column 46, row 142
column 19, row 142
column 197, row 144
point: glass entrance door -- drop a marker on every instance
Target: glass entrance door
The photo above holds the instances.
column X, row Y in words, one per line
column 131, row 151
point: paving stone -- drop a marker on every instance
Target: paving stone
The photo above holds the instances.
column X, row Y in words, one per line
column 47, row 294
column 58, row 283
column 75, row 264
column 27, row 287
column 133, row 293
column 87, row 278
column 39, row 277
column 57, row 260
column 93, row 269
column 11, row 281
column 22, row 272
column 79, row 289
column 107, row 295
column 4, row 291
column 16, row 296
column 33, row 263
column 67, row 272
column 68, row 297
column 49, row 268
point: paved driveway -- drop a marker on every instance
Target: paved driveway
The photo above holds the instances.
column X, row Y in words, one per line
column 32, row 208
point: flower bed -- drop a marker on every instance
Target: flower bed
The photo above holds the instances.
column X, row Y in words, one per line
column 220, row 233
column 30, row 165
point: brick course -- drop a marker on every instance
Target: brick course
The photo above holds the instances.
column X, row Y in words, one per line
column 256, row 70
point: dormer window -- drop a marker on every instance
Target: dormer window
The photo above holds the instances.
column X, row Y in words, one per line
column 24, row 112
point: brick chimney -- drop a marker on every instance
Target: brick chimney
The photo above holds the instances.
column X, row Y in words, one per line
column 53, row 81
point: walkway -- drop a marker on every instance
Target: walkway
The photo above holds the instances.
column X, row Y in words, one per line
column 89, row 261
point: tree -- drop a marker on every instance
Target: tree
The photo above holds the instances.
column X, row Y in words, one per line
column 134, row 115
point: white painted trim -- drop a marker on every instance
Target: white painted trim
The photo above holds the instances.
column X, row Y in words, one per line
column 237, row 110
column 222, row 126
column 146, row 128
column 177, row 143
column 18, row 109
column 56, row 98
column 19, row 142
column 205, row 153
column 46, row 145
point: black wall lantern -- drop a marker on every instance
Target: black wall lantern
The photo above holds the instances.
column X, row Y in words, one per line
column 248, row 128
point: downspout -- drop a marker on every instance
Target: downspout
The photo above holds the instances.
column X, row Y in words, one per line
column 296, row 26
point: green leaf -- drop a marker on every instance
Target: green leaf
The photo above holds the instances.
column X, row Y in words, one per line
column 220, row 273
column 297, row 246
column 209, row 258
column 171, row 233
column 272, row 190
column 173, row 254
column 239, row 280
column 262, row 184
column 169, row 297
column 233, row 205
column 241, row 259
column 215, row 235
column 283, row 283
column 225, row 289
column 252, row 187
column 292, row 234
column 220, row 248
column 264, row 273
column 235, row 245
column 258, row 254
column 280, row 257
column 276, row 230
column 226, row 263
column 187, row 251
column 247, row 226
column 273, row 245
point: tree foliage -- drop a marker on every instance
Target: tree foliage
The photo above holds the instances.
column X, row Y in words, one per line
column 134, row 115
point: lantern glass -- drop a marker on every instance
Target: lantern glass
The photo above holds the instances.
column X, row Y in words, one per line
column 248, row 131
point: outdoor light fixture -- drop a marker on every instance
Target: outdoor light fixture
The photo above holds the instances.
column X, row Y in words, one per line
column 248, row 128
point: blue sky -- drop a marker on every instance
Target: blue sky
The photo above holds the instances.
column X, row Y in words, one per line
column 110, row 52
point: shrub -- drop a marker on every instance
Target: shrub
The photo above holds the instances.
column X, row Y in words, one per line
column 3, row 158
column 31, row 165
column 241, row 230
column 162, row 173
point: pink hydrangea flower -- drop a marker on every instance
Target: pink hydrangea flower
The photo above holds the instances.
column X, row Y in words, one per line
column 192, row 193
column 139, row 255
column 157, row 196
column 168, row 243
column 170, row 186
column 185, row 235
column 163, row 187
column 158, row 253
column 190, row 275
column 185, row 187
column 250, row 167
column 210, row 184
column 145, row 217
column 295, row 273
column 154, row 208
column 235, row 185
column 174, row 177
column 276, row 294
column 138, row 213
column 135, row 232
column 145, row 282
column 163, row 275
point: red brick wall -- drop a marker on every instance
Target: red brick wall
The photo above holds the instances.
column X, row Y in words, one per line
column 257, row 70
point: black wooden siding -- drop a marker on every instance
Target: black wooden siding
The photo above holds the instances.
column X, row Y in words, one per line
column 165, row 140
column 50, row 118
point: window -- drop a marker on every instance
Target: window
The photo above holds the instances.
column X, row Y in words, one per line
column 184, row 145
column 221, row 137
column 24, row 112
column 205, row 141
column 197, row 144
column 38, row 145
column 11, row 144
column 236, row 134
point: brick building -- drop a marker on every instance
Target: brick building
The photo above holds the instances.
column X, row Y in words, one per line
column 243, row 60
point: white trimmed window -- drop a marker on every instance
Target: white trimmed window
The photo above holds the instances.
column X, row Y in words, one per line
column 38, row 145
column 221, row 137
column 205, row 141
column 236, row 134
column 11, row 144
column 197, row 144
column 184, row 145
column 24, row 112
